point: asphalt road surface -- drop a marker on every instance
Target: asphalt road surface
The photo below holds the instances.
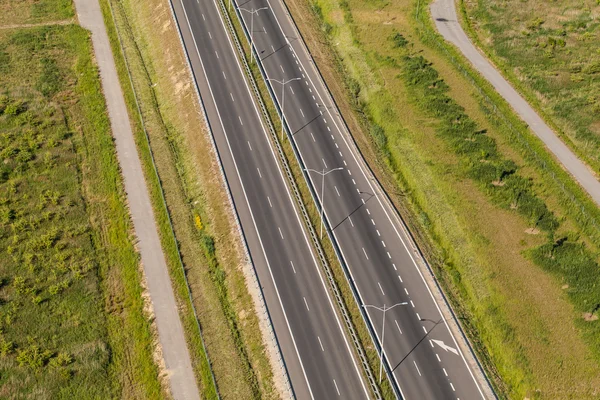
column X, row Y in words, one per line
column 421, row 350
column 170, row 331
column 317, row 354
column 446, row 21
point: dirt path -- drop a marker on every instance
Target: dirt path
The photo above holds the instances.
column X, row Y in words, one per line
column 170, row 330
column 17, row 26
column 443, row 13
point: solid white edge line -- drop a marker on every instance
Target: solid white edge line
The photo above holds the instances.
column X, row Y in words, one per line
column 296, row 213
column 386, row 213
column 247, row 202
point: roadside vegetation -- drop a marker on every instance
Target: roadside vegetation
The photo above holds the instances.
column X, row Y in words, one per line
column 550, row 52
column 72, row 316
column 518, row 261
column 173, row 139
column 35, row 11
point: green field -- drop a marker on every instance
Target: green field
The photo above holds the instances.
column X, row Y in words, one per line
column 34, row 11
column 552, row 53
column 72, row 322
column 517, row 260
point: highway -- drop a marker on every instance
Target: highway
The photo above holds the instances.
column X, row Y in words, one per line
column 317, row 354
column 429, row 360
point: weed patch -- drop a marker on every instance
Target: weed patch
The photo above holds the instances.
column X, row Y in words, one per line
column 71, row 317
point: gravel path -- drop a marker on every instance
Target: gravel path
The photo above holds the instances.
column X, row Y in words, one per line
column 170, row 331
column 447, row 23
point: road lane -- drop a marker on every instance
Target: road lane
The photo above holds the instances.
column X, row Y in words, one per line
column 317, row 354
column 370, row 241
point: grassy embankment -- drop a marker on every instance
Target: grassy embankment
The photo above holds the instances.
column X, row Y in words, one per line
column 550, row 52
column 196, row 200
column 72, row 316
column 484, row 215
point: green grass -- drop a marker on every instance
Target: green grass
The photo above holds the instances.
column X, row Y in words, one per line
column 402, row 111
column 196, row 205
column 72, row 315
column 551, row 53
column 34, row 11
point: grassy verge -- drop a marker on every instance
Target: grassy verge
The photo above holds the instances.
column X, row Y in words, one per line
column 196, row 202
column 73, row 322
column 482, row 251
column 550, row 54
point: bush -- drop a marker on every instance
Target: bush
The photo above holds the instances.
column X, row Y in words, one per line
column 576, row 266
column 398, row 40
column 33, row 357
column 14, row 108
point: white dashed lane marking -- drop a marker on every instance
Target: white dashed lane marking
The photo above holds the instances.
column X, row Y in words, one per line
column 398, row 326
column 417, row 368
column 320, row 344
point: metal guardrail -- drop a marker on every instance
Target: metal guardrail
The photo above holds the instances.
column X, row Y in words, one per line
column 292, row 183
column 162, row 196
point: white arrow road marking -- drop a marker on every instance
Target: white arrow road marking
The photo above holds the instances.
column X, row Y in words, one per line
column 445, row 346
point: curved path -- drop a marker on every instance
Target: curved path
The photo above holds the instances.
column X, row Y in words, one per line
column 444, row 14
column 170, row 330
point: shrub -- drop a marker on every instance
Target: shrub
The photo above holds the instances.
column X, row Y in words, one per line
column 398, row 40
column 6, row 347
column 14, row 108
column 576, row 266
column 33, row 357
